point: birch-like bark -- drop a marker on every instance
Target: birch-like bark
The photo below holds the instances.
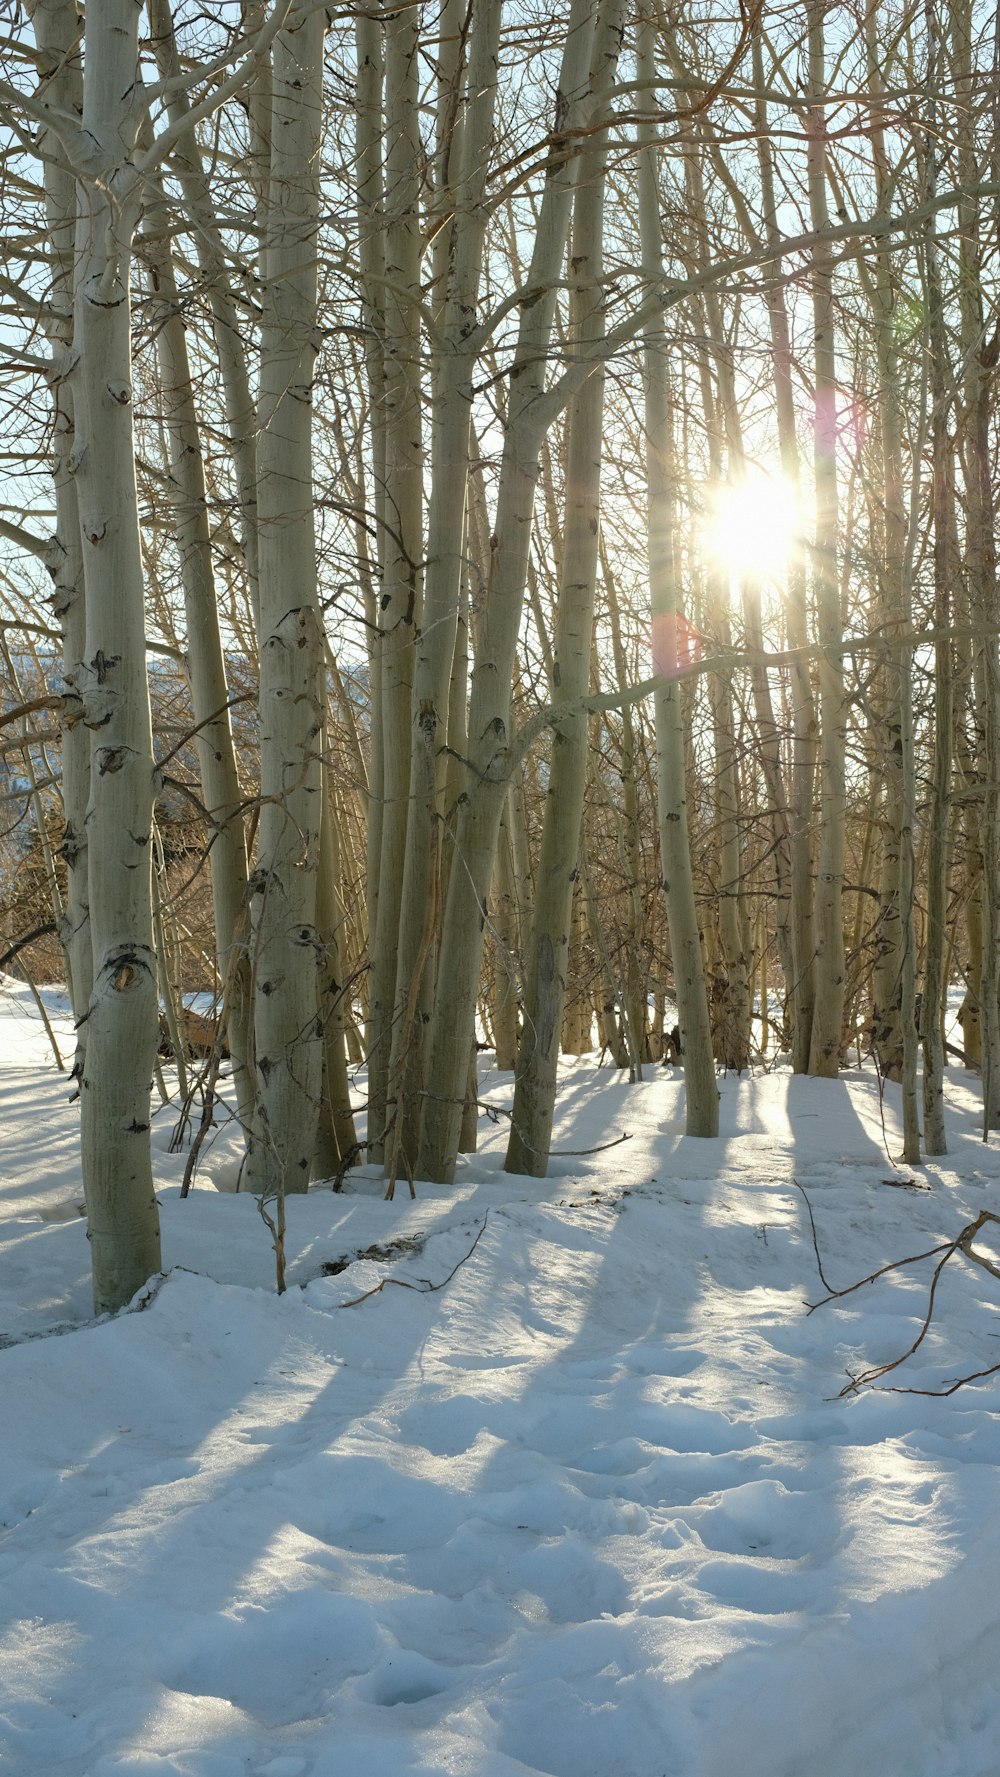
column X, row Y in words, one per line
column 979, row 360
column 121, row 1034
column 547, row 964
column 229, row 331
column 206, row 667
column 828, row 1015
column 336, row 1141
column 478, row 822
column 894, row 933
column 702, row 1095
column 730, row 998
column 288, row 1028
column 636, row 973
column 945, row 573
column 58, row 27
column 802, row 775
column 371, row 255
column 506, row 945
column 434, row 641
column 402, row 572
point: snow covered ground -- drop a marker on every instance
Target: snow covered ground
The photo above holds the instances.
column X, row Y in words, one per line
column 591, row 1509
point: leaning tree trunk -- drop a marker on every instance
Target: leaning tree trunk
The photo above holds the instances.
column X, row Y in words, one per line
column 121, row 1033
column 206, row 667
column 690, row 992
column 288, row 1028
column 478, row 822
column 549, row 945
column 56, row 25
column 215, row 262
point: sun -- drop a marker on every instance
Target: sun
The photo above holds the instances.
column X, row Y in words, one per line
column 752, row 527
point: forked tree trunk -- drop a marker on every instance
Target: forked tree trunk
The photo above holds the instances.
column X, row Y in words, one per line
column 478, row 820
column 434, row 638
column 121, row 1034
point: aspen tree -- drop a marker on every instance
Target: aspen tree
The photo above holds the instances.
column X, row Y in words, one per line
column 111, row 676
column 452, row 364
column 371, row 256
column 227, row 327
column 336, row 1142
column 206, row 668
column 802, row 763
column 945, row 573
column 828, row 1015
column 288, row 1027
column 547, row 963
column 702, row 1096
column 58, row 28
column 477, row 826
column 979, row 356
column 402, row 576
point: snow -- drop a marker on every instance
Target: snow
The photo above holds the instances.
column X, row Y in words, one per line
column 593, row 1508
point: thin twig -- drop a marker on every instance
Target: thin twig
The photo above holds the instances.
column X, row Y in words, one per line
column 423, row 1285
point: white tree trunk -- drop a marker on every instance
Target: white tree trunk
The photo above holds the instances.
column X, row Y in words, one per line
column 453, row 1023
column 702, row 1093
column 121, row 1035
column 206, row 666
column 287, row 1023
column 57, row 27
column 434, row 641
column 549, row 945
column 828, row 1015
column 802, row 773
column 402, row 572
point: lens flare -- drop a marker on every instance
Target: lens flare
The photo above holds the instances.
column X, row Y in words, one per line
column 752, row 527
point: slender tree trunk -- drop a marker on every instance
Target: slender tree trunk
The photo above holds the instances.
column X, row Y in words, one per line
column 205, row 663
column 802, row 776
column 547, row 965
column 121, row 1034
column 979, row 358
column 668, row 635
column 229, row 331
column 58, row 26
column 824, row 1053
column 402, row 576
column 336, row 1141
column 945, row 572
column 490, row 704
column 371, row 254
column 288, row 1027
column 434, row 639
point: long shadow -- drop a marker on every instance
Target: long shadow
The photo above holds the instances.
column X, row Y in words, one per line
column 538, row 1531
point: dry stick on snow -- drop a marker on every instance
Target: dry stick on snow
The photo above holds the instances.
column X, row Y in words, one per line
column 963, row 1243
column 423, row 1285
